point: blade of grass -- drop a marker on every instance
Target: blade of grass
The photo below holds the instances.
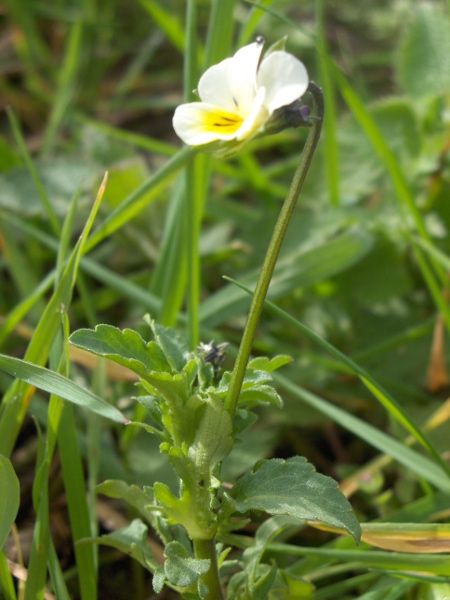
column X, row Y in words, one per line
column 9, row 498
column 6, row 580
column 393, row 408
column 18, row 396
column 74, row 484
column 331, row 152
column 167, row 22
column 220, row 32
column 137, row 201
column 67, row 80
column 105, row 276
column 400, row 561
column 19, row 139
column 252, row 22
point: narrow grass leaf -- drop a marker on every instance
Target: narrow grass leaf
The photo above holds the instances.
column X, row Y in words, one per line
column 6, row 581
column 16, row 400
column 67, row 78
column 167, row 21
column 9, row 498
column 74, row 484
column 376, row 389
column 137, row 201
column 52, row 382
column 398, row 561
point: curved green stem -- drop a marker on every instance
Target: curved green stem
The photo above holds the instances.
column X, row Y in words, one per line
column 273, row 251
column 207, row 549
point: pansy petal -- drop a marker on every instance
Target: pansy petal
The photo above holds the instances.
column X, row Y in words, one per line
column 284, row 77
column 213, row 87
column 232, row 83
column 199, row 123
column 242, row 76
column 255, row 119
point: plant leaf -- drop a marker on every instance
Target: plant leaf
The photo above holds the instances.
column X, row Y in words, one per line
column 9, row 498
column 54, row 383
column 293, row 487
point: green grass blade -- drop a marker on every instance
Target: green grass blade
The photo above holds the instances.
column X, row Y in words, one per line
column 167, row 22
column 54, row 383
column 422, row 466
column 33, row 172
column 17, row 398
column 67, row 80
column 76, row 497
column 140, row 198
column 37, row 568
column 6, row 581
column 394, row 409
column 9, row 498
column 400, row 561
column 56, row 574
column 331, row 152
column 220, row 32
column 249, row 28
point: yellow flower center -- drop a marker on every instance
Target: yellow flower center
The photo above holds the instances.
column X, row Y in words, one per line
column 222, row 121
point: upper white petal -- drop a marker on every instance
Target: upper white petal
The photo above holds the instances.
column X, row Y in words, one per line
column 284, row 77
column 214, row 87
column 242, row 73
column 231, row 84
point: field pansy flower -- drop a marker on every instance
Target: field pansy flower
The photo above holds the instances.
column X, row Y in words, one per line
column 239, row 97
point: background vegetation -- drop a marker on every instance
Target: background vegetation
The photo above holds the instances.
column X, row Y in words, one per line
column 90, row 86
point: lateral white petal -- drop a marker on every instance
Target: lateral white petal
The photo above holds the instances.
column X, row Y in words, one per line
column 190, row 122
column 284, row 77
column 255, row 119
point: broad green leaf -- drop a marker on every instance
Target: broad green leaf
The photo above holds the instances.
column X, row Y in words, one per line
column 260, row 394
column 262, row 363
column 52, row 382
column 212, row 442
column 125, row 347
column 180, row 568
column 424, row 55
column 293, row 487
column 174, row 346
column 131, row 540
column 9, row 498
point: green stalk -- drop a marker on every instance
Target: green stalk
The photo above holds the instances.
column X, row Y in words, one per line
column 273, row 252
column 207, row 549
column 193, row 214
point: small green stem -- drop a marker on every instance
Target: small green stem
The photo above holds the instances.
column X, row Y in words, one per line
column 273, row 252
column 207, row 549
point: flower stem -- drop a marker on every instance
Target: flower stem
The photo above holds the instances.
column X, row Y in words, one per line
column 274, row 250
column 207, row 549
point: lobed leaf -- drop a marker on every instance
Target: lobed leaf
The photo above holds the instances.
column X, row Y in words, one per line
column 293, row 487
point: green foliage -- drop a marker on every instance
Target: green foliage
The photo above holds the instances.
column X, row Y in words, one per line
column 293, row 487
column 362, row 308
column 9, row 498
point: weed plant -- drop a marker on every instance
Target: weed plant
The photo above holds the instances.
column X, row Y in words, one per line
column 348, row 378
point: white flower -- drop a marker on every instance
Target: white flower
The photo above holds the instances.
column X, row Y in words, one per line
column 239, row 96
